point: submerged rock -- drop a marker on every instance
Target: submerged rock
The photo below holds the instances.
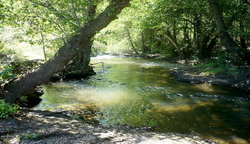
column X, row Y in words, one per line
column 191, row 75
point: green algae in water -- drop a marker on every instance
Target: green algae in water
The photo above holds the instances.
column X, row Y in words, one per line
column 141, row 92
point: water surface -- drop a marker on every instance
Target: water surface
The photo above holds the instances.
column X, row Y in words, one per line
column 141, row 92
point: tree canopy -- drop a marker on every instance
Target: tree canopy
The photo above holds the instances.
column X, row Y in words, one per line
column 67, row 30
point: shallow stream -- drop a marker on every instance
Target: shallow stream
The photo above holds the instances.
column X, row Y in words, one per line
column 140, row 92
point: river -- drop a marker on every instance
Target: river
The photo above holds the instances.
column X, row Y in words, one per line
column 141, row 92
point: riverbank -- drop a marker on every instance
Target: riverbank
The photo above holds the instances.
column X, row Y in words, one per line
column 194, row 75
column 197, row 75
column 36, row 127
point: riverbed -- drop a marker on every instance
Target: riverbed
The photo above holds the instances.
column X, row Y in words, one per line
column 141, row 92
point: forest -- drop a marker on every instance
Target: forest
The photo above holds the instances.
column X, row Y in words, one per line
column 143, row 65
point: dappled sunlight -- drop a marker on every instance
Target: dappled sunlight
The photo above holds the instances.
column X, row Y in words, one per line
column 150, row 65
column 61, row 85
column 108, row 96
column 181, row 106
column 55, row 60
column 208, row 88
column 101, row 57
column 73, row 106
column 128, row 92
column 148, row 138
column 205, row 88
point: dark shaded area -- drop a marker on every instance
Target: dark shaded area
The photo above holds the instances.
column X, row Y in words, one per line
column 215, row 120
column 72, row 75
column 77, row 75
column 192, row 75
column 47, row 127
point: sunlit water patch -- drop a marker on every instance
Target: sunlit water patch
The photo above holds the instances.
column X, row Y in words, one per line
column 141, row 92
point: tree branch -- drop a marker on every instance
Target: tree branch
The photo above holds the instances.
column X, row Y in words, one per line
column 74, row 13
column 29, row 81
column 58, row 14
column 54, row 23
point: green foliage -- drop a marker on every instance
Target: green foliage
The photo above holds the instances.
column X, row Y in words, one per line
column 30, row 135
column 56, row 20
column 170, row 28
column 219, row 65
column 4, row 52
column 16, row 68
column 6, row 72
column 7, row 110
column 98, row 48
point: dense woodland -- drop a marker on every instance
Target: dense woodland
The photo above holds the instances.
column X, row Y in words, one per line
column 69, row 32
column 44, row 44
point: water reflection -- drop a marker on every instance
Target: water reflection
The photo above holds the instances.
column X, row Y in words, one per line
column 142, row 93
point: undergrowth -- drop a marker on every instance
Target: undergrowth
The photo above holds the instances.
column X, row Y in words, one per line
column 7, row 110
column 218, row 65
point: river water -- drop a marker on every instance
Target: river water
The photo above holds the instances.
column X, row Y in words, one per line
column 140, row 92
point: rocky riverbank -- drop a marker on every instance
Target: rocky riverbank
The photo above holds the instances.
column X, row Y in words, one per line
column 193, row 75
column 44, row 127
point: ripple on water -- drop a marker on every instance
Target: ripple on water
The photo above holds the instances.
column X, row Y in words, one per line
column 141, row 92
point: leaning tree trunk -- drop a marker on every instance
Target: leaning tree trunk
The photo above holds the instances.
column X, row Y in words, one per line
column 85, row 51
column 80, row 67
column 225, row 38
column 29, row 81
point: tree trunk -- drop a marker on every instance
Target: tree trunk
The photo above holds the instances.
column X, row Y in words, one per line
column 131, row 42
column 144, row 47
column 186, row 35
column 197, row 30
column 243, row 43
column 225, row 38
column 44, row 50
column 80, row 67
column 207, row 47
column 174, row 42
column 29, row 81
column 85, row 51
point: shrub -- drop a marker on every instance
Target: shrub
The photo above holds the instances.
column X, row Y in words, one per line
column 6, row 72
column 7, row 110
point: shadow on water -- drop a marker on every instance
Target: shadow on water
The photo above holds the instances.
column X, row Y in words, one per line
column 214, row 119
column 141, row 92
